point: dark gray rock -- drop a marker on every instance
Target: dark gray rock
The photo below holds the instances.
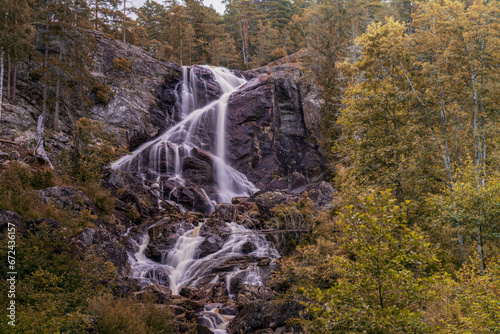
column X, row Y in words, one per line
column 226, row 212
column 8, row 220
column 106, row 244
column 267, row 201
column 69, row 198
column 265, row 315
column 160, row 293
column 229, row 310
column 197, row 170
column 210, row 245
column 34, row 225
column 248, row 247
column 321, row 193
column 249, row 294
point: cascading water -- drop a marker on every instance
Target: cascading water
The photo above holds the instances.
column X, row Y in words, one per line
column 166, row 153
column 181, row 266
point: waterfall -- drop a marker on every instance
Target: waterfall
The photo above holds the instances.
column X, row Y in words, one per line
column 165, row 154
column 181, row 266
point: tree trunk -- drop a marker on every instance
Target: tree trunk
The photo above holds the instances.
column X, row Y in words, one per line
column 39, row 147
column 14, row 77
column 96, row 10
column 8, row 76
column 58, row 86
column 1, row 81
column 124, row 17
column 44, row 112
column 479, row 241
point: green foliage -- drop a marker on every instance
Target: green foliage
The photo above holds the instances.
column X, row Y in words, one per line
column 122, row 64
column 16, row 192
column 101, row 198
column 116, row 316
column 93, row 149
column 465, row 217
column 293, row 222
column 310, row 265
column 103, row 93
column 382, row 284
column 54, row 283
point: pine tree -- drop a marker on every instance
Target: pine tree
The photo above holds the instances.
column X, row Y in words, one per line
column 15, row 38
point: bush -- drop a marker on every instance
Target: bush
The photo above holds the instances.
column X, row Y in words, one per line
column 103, row 94
column 293, row 222
column 93, row 148
column 101, row 198
column 278, row 53
column 16, row 193
column 122, row 64
column 118, row 315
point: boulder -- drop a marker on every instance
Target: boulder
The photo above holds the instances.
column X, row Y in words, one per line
column 226, row 212
column 267, row 201
column 251, row 293
column 210, row 245
column 8, row 220
column 163, row 237
column 69, row 198
column 160, row 293
column 191, row 197
column 265, row 315
column 321, row 193
column 194, row 293
column 197, row 170
column 106, row 244
column 34, row 225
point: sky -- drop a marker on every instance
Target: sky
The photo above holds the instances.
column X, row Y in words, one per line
column 217, row 4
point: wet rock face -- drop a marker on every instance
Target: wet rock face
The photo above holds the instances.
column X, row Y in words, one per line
column 207, row 89
column 216, row 233
column 190, row 196
column 266, row 130
column 163, row 237
column 250, row 135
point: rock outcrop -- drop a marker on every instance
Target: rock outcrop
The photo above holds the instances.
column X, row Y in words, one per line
column 107, row 245
column 271, row 315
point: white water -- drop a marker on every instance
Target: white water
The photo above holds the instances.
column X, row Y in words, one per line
column 177, row 142
column 214, row 320
column 181, row 266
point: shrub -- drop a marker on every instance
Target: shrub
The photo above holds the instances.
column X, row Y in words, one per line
column 278, row 53
column 103, row 94
column 122, row 64
column 93, row 148
column 292, row 222
column 16, row 193
column 119, row 315
column 102, row 198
